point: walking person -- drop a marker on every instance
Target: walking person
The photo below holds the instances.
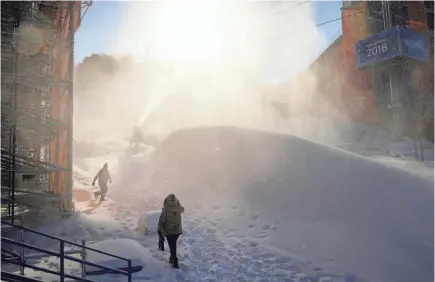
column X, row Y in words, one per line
column 137, row 138
column 170, row 225
column 103, row 176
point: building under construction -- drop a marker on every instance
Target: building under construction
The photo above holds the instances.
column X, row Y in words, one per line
column 37, row 63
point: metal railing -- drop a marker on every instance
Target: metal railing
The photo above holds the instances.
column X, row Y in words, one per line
column 6, row 276
column 62, row 255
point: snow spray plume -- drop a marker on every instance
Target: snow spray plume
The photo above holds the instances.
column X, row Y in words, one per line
column 200, row 63
column 203, row 63
column 211, row 62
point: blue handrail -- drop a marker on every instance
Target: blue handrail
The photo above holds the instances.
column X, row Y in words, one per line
column 61, row 254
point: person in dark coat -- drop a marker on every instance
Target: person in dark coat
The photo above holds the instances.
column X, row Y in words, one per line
column 103, row 176
column 170, row 225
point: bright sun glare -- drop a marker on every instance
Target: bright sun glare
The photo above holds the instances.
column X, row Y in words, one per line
column 189, row 30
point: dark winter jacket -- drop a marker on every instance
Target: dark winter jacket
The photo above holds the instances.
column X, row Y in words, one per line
column 103, row 176
column 170, row 218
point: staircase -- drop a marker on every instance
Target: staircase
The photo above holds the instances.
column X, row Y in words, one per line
column 11, row 257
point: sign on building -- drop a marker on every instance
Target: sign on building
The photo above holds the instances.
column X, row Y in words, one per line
column 391, row 43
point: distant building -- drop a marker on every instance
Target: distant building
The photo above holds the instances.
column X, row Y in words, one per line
column 363, row 94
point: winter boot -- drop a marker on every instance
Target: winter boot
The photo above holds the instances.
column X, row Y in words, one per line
column 175, row 263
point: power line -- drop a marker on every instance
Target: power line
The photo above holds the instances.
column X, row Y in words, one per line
column 319, row 24
column 282, row 11
column 294, row 6
column 341, row 18
column 338, row 19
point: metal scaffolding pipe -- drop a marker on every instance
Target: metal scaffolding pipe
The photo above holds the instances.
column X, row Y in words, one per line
column 37, row 38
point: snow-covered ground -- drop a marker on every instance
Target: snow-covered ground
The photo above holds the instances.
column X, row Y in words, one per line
column 365, row 140
column 425, row 169
column 259, row 207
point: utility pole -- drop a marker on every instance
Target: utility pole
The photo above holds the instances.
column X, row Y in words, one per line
column 393, row 79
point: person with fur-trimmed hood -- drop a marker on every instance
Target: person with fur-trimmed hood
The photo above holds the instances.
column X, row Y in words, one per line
column 170, row 225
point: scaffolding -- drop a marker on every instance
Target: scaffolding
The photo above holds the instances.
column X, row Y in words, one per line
column 37, row 63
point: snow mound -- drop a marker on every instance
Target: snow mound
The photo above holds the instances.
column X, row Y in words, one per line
column 81, row 174
column 154, row 268
column 147, row 223
column 324, row 203
column 356, row 137
column 126, row 248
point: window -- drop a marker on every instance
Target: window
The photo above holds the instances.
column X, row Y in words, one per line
column 430, row 20
column 399, row 13
column 375, row 21
column 28, row 177
column 348, row 4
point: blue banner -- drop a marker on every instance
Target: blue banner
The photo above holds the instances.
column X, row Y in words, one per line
column 391, row 43
column 413, row 44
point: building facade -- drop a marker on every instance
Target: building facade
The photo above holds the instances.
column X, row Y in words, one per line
column 397, row 93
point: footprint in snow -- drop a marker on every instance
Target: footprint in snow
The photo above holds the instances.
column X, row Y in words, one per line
column 262, row 235
column 53, row 264
column 254, row 216
column 253, row 244
column 190, row 241
column 326, row 279
column 266, row 227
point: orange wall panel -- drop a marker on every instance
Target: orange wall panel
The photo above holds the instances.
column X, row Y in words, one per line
column 60, row 97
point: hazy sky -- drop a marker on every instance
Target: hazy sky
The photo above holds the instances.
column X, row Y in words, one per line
column 107, row 21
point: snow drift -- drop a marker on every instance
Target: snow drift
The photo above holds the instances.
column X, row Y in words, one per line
column 371, row 220
column 148, row 223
